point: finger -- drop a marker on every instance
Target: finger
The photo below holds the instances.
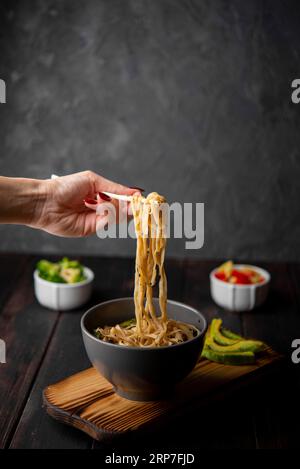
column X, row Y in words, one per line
column 112, row 210
column 103, row 184
column 90, row 203
column 120, row 206
column 122, row 209
column 88, row 223
column 101, row 207
column 101, row 222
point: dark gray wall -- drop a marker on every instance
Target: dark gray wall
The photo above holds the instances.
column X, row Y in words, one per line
column 189, row 98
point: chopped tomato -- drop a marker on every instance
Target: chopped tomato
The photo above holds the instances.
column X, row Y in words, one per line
column 220, row 276
column 256, row 278
column 253, row 276
column 242, row 276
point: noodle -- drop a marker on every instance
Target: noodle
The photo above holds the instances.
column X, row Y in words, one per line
column 148, row 329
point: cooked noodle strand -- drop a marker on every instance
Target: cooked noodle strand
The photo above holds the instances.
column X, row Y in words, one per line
column 149, row 330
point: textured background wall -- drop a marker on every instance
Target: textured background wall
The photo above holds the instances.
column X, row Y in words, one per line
column 189, row 98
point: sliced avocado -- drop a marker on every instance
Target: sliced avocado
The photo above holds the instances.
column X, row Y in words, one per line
column 217, row 335
column 128, row 323
column 231, row 335
column 239, row 352
column 229, row 358
column 241, row 346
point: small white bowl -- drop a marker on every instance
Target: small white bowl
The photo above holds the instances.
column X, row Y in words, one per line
column 63, row 296
column 239, row 297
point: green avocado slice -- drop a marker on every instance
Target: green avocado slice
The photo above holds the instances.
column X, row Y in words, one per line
column 241, row 346
column 217, row 335
column 231, row 335
column 229, row 358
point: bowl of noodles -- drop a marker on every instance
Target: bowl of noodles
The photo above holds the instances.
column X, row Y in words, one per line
column 142, row 373
column 144, row 345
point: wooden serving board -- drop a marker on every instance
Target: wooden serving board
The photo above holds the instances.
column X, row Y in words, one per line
column 87, row 401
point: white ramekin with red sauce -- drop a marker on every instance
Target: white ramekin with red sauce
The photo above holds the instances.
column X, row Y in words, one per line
column 237, row 296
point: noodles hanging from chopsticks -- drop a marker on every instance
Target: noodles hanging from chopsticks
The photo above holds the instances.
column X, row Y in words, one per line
column 148, row 329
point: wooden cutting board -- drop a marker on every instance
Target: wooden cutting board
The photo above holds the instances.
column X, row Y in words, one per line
column 87, row 401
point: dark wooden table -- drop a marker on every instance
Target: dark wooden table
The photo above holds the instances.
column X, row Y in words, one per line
column 45, row 346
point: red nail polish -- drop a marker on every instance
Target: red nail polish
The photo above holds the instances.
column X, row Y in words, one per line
column 104, row 196
column 90, row 201
column 138, row 189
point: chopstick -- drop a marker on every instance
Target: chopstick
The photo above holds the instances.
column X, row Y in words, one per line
column 126, row 198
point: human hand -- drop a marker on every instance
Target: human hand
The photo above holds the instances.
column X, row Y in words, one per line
column 61, row 210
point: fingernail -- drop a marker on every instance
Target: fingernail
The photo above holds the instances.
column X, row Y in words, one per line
column 88, row 200
column 104, row 196
column 138, row 189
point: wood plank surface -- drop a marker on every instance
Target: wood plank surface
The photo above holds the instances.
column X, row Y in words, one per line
column 240, row 430
column 43, row 347
column 87, row 401
column 12, row 266
column 275, row 322
column 26, row 329
column 66, row 355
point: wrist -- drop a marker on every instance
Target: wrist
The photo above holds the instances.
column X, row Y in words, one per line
column 37, row 190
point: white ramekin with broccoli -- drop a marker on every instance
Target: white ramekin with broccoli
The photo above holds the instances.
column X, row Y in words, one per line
column 62, row 285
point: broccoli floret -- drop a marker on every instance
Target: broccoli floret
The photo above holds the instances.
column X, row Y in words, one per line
column 49, row 271
column 64, row 271
column 71, row 275
column 66, row 263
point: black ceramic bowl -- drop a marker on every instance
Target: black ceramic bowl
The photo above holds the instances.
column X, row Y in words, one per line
column 138, row 373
